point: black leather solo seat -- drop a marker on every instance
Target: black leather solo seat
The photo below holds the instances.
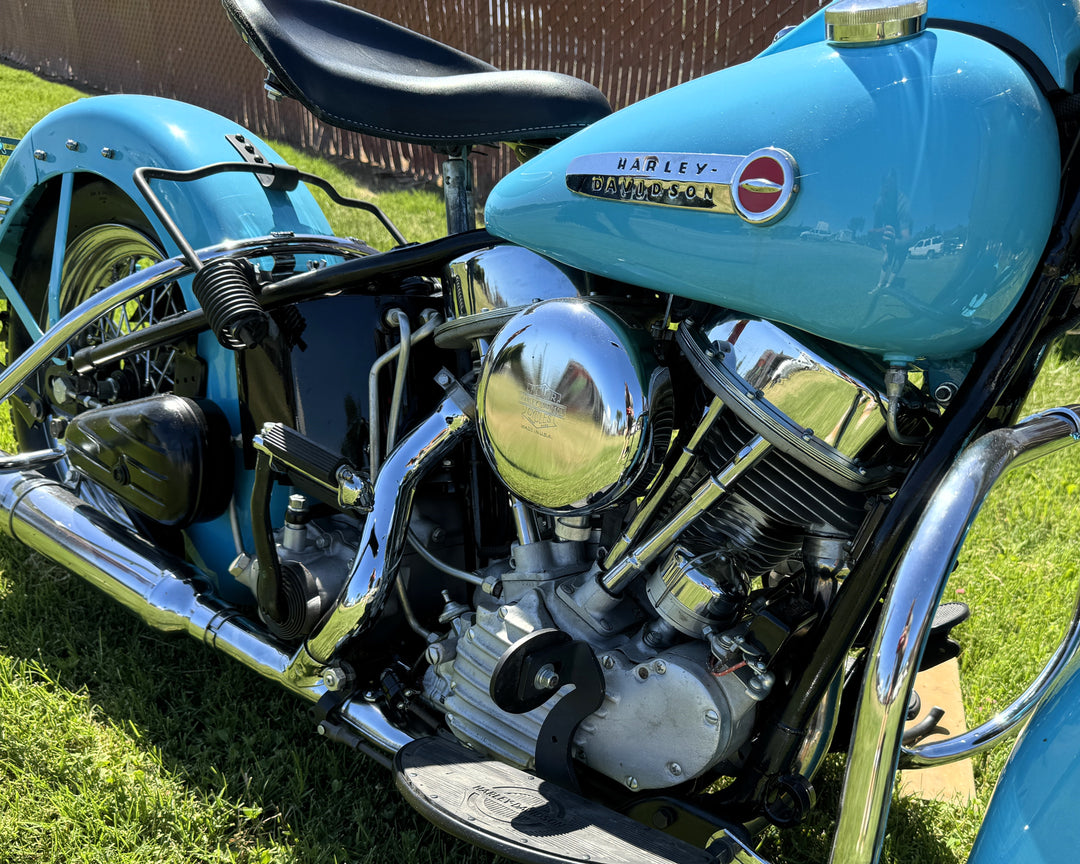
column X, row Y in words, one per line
column 359, row 72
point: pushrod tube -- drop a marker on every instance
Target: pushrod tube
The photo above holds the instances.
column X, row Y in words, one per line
column 908, row 613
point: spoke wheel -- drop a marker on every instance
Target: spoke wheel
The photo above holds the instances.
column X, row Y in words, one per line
column 109, row 239
column 100, row 256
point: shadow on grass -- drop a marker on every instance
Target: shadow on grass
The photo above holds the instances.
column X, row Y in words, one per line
column 225, row 734
column 220, row 730
column 918, row 832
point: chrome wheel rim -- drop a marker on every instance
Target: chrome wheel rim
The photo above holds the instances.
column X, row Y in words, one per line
column 102, row 255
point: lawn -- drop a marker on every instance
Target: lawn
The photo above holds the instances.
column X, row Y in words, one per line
column 119, row 745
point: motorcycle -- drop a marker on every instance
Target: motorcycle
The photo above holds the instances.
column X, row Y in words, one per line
column 634, row 490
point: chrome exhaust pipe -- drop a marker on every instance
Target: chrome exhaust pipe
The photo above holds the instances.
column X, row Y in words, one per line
column 166, row 592
column 171, row 596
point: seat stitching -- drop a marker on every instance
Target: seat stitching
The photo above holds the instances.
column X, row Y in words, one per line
column 491, row 133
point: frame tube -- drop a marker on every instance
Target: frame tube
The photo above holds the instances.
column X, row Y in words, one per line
column 908, row 613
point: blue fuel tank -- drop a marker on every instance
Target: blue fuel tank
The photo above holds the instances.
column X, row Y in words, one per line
column 893, row 198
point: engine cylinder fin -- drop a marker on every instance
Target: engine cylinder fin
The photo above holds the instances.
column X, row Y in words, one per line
column 775, row 505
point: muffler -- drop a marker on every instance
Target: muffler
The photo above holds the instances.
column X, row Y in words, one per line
column 172, row 596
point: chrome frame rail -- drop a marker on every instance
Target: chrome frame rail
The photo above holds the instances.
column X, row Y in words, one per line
column 102, row 302
column 902, row 631
column 1006, row 722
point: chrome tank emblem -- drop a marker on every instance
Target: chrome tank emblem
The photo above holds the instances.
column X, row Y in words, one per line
column 759, row 187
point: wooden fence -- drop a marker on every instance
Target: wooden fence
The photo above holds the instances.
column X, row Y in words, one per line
column 189, row 51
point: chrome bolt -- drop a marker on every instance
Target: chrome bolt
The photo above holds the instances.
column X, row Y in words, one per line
column 434, row 654
column 321, row 729
column 72, row 144
column 335, row 678
column 41, row 155
column 760, row 686
column 108, row 152
column 504, row 611
column 659, row 667
column 442, row 379
column 547, row 678
column 675, row 769
column 712, row 718
column 631, row 783
column 607, row 662
column 451, row 719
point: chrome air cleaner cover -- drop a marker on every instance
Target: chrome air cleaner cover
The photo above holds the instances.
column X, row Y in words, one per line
column 803, row 403
column 564, row 402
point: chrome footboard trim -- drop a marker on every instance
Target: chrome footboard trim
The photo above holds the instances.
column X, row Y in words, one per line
column 905, row 622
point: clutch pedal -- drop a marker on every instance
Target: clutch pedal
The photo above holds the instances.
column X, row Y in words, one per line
column 514, row 814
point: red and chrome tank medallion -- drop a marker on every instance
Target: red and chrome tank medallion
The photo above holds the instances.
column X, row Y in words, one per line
column 759, row 187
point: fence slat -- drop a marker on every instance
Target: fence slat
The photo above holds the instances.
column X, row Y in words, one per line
column 189, row 51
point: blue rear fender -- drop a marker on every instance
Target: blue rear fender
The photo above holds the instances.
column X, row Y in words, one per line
column 111, row 136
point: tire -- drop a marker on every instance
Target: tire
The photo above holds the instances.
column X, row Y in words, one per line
column 109, row 238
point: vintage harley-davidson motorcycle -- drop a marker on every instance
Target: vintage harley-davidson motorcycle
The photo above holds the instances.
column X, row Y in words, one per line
column 601, row 524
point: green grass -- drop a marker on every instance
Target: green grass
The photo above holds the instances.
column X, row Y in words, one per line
column 119, row 745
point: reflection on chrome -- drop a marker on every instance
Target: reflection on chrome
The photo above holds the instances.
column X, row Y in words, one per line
column 908, row 613
column 567, row 405
column 488, row 287
column 808, row 406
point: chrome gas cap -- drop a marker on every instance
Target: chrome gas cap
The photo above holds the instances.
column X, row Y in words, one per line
column 858, row 23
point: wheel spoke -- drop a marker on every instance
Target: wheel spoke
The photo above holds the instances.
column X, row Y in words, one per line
column 99, row 257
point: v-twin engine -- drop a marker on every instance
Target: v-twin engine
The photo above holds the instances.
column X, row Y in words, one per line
column 682, row 718
column 735, row 500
